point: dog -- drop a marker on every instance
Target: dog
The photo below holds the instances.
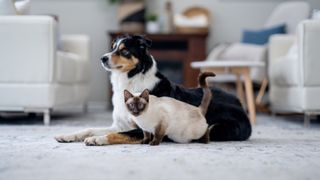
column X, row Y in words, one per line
column 133, row 68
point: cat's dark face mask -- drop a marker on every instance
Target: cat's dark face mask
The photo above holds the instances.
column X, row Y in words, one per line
column 136, row 105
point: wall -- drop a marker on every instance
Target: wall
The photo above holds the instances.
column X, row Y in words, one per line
column 229, row 17
column 96, row 17
column 91, row 17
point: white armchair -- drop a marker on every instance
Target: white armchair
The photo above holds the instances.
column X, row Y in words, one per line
column 289, row 13
column 34, row 75
column 294, row 80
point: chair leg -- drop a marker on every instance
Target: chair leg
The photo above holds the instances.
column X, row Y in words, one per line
column 307, row 117
column 46, row 117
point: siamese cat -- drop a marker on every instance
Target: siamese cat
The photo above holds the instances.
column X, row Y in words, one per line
column 160, row 116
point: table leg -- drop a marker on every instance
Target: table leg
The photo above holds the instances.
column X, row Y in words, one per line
column 239, row 87
column 249, row 95
column 262, row 91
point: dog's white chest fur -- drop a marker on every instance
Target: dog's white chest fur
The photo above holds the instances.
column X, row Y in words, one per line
column 136, row 84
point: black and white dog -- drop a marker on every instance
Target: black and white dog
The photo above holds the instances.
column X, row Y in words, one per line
column 134, row 69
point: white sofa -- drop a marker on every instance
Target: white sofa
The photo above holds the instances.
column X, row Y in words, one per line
column 34, row 75
column 295, row 79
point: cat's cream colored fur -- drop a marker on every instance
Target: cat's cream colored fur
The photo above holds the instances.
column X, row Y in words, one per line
column 161, row 116
column 182, row 122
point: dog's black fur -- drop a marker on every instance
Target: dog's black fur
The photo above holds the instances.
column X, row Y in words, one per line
column 225, row 112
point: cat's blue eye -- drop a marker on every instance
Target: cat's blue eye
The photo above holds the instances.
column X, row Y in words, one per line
column 140, row 106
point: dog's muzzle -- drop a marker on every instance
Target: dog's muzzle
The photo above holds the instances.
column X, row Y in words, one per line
column 105, row 61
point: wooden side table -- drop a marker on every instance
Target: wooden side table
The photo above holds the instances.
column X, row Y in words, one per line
column 177, row 47
column 240, row 69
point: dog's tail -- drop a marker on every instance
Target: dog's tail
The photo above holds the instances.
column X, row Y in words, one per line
column 207, row 95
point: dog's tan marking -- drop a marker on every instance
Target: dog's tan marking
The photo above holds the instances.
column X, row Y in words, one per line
column 124, row 64
column 121, row 46
column 116, row 138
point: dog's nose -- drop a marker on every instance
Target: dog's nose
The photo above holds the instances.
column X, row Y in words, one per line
column 104, row 59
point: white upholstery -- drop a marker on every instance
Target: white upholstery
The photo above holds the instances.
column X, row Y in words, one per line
column 246, row 52
column 70, row 68
column 289, row 13
column 27, row 45
column 309, row 43
column 295, row 82
column 239, row 52
column 289, row 77
column 33, row 74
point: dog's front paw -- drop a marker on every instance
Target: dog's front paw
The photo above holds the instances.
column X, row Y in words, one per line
column 66, row 138
column 74, row 137
column 96, row 141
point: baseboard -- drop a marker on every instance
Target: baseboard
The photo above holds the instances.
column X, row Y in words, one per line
column 94, row 106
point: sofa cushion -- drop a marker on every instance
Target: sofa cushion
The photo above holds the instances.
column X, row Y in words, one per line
column 284, row 72
column 261, row 36
column 82, row 72
column 246, row 52
column 70, row 68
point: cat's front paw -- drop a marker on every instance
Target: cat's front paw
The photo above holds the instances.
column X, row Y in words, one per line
column 154, row 143
column 96, row 141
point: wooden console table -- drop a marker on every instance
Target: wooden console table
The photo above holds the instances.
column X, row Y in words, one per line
column 184, row 48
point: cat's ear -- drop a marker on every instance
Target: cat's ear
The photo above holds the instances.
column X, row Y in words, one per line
column 127, row 95
column 145, row 95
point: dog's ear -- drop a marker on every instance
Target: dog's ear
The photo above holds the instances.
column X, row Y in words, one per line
column 145, row 95
column 112, row 43
column 127, row 95
column 143, row 41
column 147, row 42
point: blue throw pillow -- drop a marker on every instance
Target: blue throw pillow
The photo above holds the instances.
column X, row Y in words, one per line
column 261, row 37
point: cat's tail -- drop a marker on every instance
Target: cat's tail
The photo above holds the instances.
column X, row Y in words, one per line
column 207, row 95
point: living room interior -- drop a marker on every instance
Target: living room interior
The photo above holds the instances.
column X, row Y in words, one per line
column 265, row 52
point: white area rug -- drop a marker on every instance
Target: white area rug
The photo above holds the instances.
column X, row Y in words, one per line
column 278, row 149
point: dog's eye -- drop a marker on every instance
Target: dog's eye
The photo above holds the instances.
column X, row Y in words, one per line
column 125, row 52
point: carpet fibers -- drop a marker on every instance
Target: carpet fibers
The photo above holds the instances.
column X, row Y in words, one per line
column 280, row 148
